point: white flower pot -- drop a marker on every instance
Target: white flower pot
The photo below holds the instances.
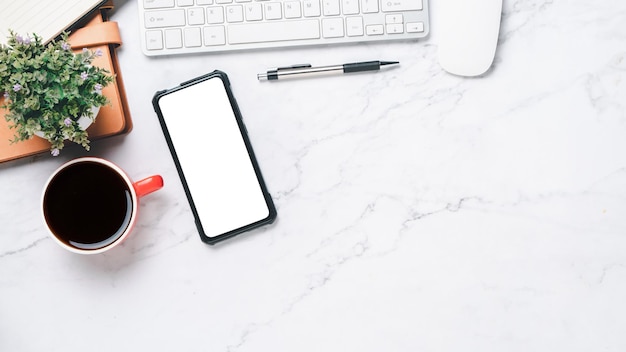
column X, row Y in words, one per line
column 83, row 122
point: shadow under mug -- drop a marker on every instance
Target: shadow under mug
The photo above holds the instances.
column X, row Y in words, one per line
column 90, row 205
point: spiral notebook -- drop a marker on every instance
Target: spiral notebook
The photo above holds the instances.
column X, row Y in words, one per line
column 47, row 18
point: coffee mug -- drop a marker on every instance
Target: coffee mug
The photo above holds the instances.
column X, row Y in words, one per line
column 90, row 205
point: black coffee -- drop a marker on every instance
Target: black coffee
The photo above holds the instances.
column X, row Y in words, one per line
column 88, row 205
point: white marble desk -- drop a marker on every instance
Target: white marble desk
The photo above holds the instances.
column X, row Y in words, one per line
column 417, row 211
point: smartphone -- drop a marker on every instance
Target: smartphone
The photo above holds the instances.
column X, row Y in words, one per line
column 208, row 141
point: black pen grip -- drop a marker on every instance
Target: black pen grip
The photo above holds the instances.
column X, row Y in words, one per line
column 361, row 66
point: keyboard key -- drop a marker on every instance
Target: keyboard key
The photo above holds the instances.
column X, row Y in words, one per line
column 154, row 40
column 350, row 7
column 157, row 4
column 183, row 3
column 332, row 27
column 254, row 11
column 193, row 38
column 173, row 38
column 273, row 31
column 273, row 11
column 214, row 35
column 369, row 6
column 330, row 7
column 292, row 9
column 165, row 18
column 415, row 27
column 401, row 5
column 311, row 8
column 395, row 28
column 354, row 26
column 195, row 16
column 395, row 18
column 204, row 2
column 234, row 13
column 375, row 29
column 215, row 15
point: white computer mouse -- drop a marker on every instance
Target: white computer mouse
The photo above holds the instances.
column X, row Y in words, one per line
column 468, row 35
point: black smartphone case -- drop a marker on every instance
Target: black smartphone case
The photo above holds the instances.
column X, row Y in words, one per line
column 242, row 129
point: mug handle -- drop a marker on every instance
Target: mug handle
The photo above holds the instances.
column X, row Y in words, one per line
column 148, row 185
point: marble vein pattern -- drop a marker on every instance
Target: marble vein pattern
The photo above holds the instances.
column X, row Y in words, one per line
column 417, row 211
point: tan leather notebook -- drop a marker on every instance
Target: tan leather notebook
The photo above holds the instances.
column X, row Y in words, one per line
column 113, row 119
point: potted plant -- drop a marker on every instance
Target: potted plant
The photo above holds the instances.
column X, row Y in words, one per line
column 50, row 91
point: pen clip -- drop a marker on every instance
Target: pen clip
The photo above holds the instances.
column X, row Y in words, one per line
column 272, row 74
column 293, row 67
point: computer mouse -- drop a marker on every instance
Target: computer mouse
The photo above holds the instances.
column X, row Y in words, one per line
column 468, row 35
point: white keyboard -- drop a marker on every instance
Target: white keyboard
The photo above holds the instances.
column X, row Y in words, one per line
column 190, row 26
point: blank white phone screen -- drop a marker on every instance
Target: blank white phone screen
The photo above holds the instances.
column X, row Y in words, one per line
column 213, row 157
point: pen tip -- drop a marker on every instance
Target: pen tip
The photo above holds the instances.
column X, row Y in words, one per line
column 383, row 63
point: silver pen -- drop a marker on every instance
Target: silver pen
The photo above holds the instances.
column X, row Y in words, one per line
column 306, row 70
